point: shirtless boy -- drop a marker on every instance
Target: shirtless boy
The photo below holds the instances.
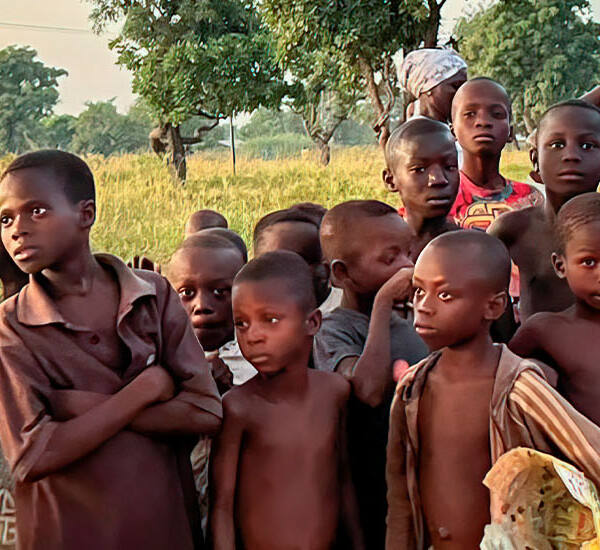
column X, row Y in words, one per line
column 279, row 474
column 102, row 381
column 469, row 402
column 481, row 121
column 569, row 341
column 567, row 160
column 422, row 167
column 365, row 339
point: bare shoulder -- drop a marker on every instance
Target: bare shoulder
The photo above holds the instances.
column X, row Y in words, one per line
column 546, row 322
column 237, row 401
column 330, row 383
column 509, row 226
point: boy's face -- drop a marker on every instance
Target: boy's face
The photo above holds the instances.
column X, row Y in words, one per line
column 426, row 174
column 580, row 264
column 40, row 226
column 378, row 250
column 272, row 329
column 303, row 239
column 203, row 277
column 451, row 301
column 568, row 151
column 481, row 118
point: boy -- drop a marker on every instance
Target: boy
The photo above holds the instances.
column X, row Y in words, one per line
column 568, row 341
column 278, row 469
column 422, row 167
column 567, row 160
column 201, row 271
column 296, row 230
column 204, row 219
column 481, row 121
column 469, row 402
column 102, row 382
column 367, row 244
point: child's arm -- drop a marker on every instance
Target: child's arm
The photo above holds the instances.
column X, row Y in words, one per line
column 350, row 514
column 223, row 475
column 71, row 440
column 196, row 407
column 371, row 373
column 400, row 534
column 550, row 416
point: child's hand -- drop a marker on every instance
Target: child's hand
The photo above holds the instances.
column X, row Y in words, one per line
column 398, row 288
column 221, row 374
column 157, row 382
column 67, row 404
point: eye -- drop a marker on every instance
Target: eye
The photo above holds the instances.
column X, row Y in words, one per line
column 39, row 211
column 221, row 292
column 5, row 221
column 588, row 262
column 418, row 169
column 444, row 296
column 273, row 320
column 419, row 293
column 185, row 293
column 452, row 167
column 240, row 324
column 468, row 114
column 499, row 114
column 587, row 146
column 557, row 145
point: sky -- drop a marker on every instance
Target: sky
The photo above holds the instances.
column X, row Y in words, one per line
column 93, row 74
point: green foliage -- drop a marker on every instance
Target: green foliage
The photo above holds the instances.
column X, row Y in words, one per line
column 542, row 51
column 59, row 131
column 264, row 122
column 190, row 57
column 100, row 129
column 271, row 147
column 28, row 93
column 350, row 132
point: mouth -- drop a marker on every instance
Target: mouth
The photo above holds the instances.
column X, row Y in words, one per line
column 258, row 359
column 439, row 201
column 570, row 175
column 424, row 330
column 24, row 253
column 207, row 327
column 484, row 138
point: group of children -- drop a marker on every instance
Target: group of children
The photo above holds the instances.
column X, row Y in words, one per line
column 340, row 390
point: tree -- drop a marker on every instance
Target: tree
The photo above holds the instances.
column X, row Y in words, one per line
column 206, row 58
column 542, row 51
column 358, row 38
column 59, row 131
column 28, row 93
column 100, row 129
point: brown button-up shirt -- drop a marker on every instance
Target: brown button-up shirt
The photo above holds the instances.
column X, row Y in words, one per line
column 133, row 491
column 525, row 411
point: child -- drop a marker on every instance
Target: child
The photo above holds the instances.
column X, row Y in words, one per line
column 102, row 381
column 569, row 341
column 469, row 402
column 368, row 245
column 201, row 271
column 296, row 230
column 204, row 219
column 422, row 167
column 481, row 121
column 278, row 469
column 567, row 159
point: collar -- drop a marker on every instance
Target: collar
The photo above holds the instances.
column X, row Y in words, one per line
column 36, row 308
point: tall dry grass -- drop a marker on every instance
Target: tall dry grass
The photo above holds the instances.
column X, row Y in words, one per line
column 142, row 210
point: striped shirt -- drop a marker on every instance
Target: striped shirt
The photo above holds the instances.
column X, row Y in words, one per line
column 525, row 411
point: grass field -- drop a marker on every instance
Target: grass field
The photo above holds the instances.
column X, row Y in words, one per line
column 141, row 210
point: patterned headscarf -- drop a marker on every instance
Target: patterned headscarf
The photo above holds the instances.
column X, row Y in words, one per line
column 424, row 69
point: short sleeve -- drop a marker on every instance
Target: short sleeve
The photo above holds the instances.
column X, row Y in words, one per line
column 183, row 357
column 27, row 424
column 337, row 340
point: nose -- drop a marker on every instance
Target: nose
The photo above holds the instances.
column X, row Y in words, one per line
column 204, row 303
column 19, row 228
column 571, row 153
column 483, row 120
column 255, row 334
column 423, row 305
column 437, row 177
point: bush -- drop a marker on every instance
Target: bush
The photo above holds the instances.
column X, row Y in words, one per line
column 274, row 147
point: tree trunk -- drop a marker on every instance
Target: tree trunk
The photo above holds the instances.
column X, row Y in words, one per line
column 433, row 24
column 324, row 150
column 177, row 152
column 381, row 126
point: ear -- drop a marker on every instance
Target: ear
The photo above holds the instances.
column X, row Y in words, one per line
column 388, row 181
column 558, row 261
column 313, row 322
column 535, row 173
column 339, row 273
column 87, row 213
column 496, row 306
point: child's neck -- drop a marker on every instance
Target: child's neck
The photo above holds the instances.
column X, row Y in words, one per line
column 363, row 303
column 423, row 226
column 75, row 276
column 477, row 356
column 291, row 381
column 553, row 204
column 483, row 171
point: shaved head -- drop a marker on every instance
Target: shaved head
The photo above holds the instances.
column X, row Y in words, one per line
column 476, row 87
column 476, row 253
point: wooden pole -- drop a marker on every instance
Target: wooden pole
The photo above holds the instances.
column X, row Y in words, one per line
column 232, row 138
